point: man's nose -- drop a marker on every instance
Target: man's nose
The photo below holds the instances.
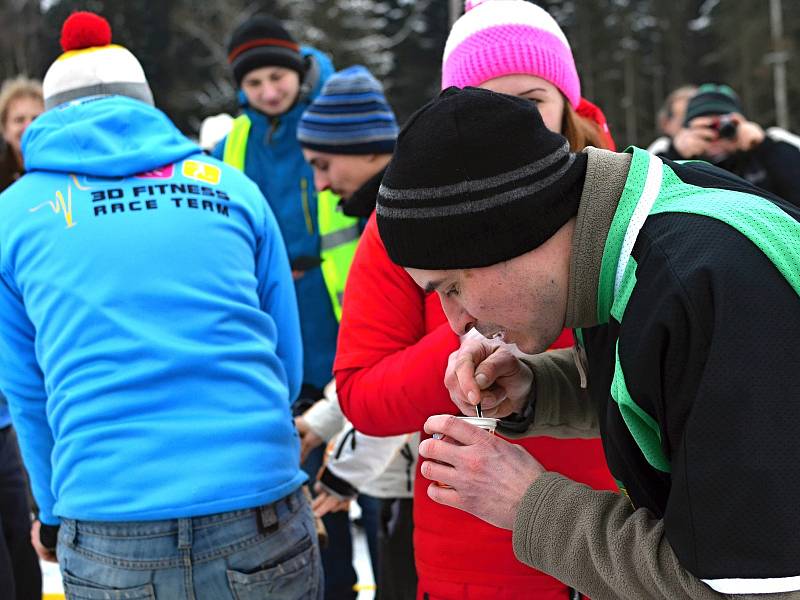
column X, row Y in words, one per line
column 460, row 320
column 321, row 181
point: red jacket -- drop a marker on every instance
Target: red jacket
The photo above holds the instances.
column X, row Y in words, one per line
column 394, row 342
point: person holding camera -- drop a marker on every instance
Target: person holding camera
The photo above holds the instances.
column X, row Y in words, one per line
column 715, row 130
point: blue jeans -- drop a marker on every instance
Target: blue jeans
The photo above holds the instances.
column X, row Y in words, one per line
column 266, row 552
column 370, row 515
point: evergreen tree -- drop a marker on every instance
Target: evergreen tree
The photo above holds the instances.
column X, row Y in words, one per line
column 629, row 53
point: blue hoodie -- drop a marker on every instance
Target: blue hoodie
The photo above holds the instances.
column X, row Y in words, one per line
column 5, row 416
column 275, row 161
column 149, row 337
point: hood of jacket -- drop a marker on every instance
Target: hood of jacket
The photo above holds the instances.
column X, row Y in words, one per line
column 104, row 136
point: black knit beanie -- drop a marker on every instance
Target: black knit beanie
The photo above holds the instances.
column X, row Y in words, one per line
column 712, row 99
column 476, row 179
column 263, row 42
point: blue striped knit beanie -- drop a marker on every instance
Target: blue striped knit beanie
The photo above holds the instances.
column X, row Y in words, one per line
column 350, row 116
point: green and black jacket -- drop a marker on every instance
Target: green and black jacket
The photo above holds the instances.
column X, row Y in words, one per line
column 773, row 165
column 685, row 290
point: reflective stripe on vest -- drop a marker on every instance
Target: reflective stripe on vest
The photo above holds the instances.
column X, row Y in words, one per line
column 236, row 143
column 773, row 231
column 338, row 241
column 338, row 233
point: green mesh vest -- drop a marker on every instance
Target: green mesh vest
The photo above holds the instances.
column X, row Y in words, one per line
column 653, row 188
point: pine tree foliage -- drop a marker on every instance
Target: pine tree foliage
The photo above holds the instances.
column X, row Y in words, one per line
column 630, row 53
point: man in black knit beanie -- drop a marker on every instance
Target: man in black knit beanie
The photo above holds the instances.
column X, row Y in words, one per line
column 671, row 275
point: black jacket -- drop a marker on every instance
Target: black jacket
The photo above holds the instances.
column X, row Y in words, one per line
column 10, row 170
column 362, row 202
column 707, row 355
column 772, row 165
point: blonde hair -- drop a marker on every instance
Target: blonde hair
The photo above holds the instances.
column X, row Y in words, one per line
column 580, row 131
column 666, row 112
column 15, row 88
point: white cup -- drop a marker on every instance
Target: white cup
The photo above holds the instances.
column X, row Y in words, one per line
column 487, row 423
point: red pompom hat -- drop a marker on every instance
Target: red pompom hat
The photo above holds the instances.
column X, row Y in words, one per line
column 92, row 66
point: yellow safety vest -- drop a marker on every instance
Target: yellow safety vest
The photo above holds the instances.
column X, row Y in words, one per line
column 338, row 233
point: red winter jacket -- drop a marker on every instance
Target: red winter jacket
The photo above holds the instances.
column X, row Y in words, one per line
column 394, row 342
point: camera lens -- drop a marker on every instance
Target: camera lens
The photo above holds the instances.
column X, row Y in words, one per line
column 727, row 128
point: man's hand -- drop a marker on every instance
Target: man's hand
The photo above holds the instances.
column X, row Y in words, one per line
column 488, row 475
column 748, row 134
column 324, row 502
column 46, row 554
column 486, row 371
column 693, row 141
column 308, row 439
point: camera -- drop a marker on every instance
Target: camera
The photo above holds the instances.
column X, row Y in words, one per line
column 726, row 127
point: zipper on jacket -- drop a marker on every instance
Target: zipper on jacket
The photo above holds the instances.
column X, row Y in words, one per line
column 579, row 355
column 405, row 451
column 351, row 434
column 273, row 125
column 306, row 208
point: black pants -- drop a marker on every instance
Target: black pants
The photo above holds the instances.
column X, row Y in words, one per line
column 20, row 577
column 397, row 577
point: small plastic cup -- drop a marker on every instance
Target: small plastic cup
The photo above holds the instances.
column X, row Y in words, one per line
column 487, row 423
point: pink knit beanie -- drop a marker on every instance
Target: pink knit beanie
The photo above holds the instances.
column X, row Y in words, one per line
column 502, row 37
